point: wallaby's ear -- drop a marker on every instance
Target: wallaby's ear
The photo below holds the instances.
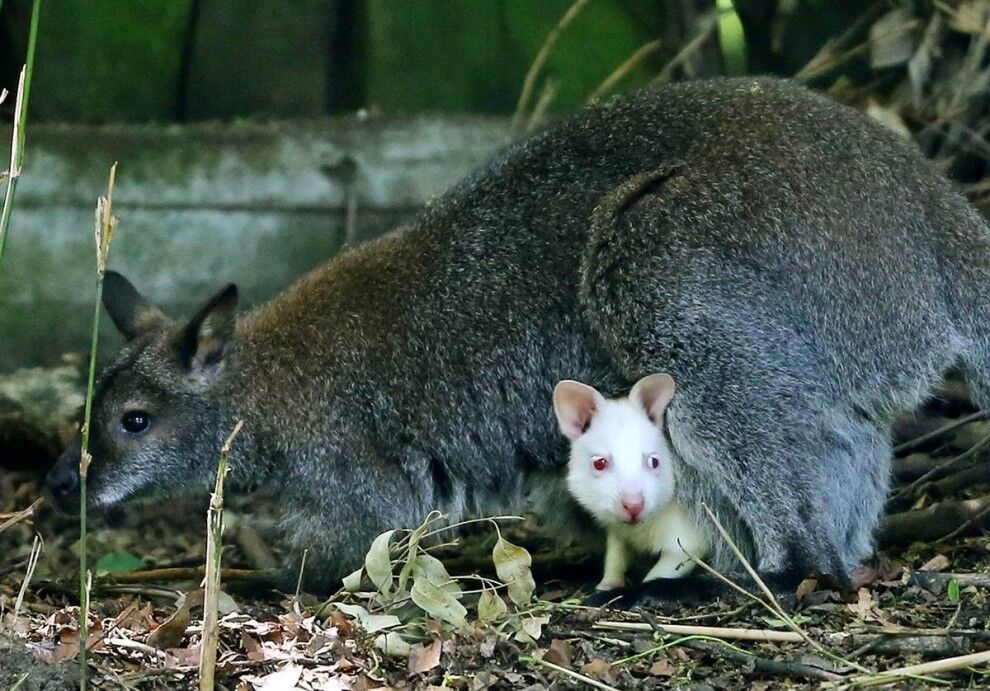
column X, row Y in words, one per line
column 130, row 312
column 203, row 343
column 654, row 393
column 575, row 404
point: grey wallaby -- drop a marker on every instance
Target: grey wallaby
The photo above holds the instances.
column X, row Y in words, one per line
column 800, row 270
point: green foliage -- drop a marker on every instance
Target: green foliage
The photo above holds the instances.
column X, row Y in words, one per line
column 119, row 561
column 953, row 590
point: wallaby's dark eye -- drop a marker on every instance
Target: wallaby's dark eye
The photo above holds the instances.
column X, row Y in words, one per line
column 135, row 421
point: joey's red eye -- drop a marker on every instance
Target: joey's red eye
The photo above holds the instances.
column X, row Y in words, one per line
column 599, row 463
column 653, row 462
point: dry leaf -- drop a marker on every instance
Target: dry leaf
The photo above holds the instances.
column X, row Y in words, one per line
column 939, row 562
column 425, row 659
column 283, row 680
column 173, row 629
column 805, row 587
column 662, row 668
column 597, row 668
column 559, row 653
column 252, row 646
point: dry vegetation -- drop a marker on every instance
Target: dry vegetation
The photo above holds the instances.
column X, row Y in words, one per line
column 504, row 618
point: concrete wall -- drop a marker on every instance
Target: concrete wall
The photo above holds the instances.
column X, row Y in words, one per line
column 207, row 204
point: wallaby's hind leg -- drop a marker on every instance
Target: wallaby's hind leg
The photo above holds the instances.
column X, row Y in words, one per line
column 778, row 468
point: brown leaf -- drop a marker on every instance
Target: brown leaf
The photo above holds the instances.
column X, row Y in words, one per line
column 559, row 653
column 597, row 668
column 863, row 575
column 343, row 624
column 425, row 659
column 252, row 646
column 172, row 630
column 182, row 657
column 662, row 668
column 805, row 587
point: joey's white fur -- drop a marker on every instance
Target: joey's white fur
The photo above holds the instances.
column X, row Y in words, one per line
column 621, row 471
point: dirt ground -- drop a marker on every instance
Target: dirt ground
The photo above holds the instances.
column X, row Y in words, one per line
column 921, row 600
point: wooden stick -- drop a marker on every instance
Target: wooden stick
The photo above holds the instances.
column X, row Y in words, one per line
column 187, row 573
column 947, row 664
column 729, row 634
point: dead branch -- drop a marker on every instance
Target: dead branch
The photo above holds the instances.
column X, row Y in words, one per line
column 978, row 474
column 934, row 522
column 786, row 668
column 938, row 433
column 937, row 581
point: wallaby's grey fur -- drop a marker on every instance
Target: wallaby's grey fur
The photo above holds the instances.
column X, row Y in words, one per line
column 801, row 271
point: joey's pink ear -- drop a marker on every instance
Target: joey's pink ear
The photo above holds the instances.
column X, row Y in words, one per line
column 575, row 404
column 653, row 393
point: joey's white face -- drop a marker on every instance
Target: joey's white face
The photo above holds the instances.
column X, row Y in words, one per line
column 620, row 465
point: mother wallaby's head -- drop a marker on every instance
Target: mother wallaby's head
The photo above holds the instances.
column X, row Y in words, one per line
column 157, row 422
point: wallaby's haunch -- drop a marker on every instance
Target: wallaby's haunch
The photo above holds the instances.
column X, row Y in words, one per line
column 798, row 269
column 621, row 471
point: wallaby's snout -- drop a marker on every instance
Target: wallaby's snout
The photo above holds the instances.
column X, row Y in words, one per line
column 63, row 479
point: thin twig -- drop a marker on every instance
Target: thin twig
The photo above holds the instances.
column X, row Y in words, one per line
column 541, row 57
column 771, row 599
column 912, row 444
column 11, row 519
column 569, row 672
column 730, row 634
column 708, row 24
column 625, row 68
column 32, row 563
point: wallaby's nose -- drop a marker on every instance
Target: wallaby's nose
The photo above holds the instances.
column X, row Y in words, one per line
column 63, row 479
column 633, row 505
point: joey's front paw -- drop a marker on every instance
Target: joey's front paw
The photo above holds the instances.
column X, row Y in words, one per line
column 610, row 584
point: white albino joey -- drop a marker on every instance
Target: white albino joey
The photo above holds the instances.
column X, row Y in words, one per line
column 621, row 471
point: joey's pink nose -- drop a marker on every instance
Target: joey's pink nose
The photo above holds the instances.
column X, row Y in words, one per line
column 633, row 505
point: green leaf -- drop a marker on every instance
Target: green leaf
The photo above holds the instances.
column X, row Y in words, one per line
column 378, row 563
column 953, row 589
column 490, row 606
column 512, row 564
column 369, row 622
column 437, row 602
column 118, row 562
column 391, row 643
column 353, row 580
column 436, row 573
